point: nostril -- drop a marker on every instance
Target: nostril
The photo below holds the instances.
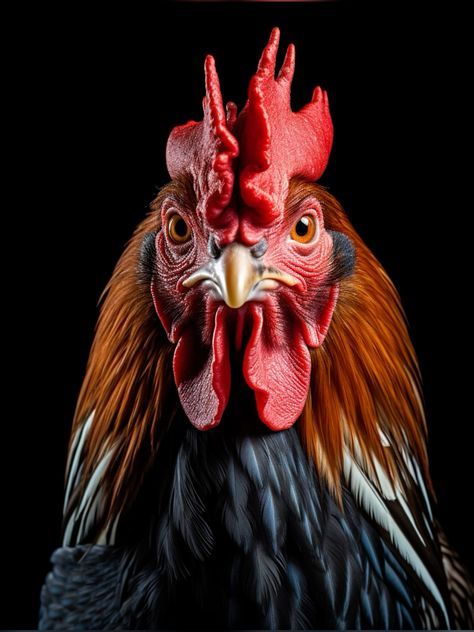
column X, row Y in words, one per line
column 260, row 248
column 212, row 248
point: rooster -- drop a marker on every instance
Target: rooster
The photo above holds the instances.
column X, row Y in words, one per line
column 248, row 449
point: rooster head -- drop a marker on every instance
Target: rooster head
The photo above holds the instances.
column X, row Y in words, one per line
column 242, row 262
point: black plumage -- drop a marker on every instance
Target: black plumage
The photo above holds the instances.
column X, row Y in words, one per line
column 234, row 529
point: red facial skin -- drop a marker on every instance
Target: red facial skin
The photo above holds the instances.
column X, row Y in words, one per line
column 285, row 322
column 240, row 167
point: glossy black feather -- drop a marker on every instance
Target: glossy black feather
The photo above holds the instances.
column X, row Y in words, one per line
column 234, row 529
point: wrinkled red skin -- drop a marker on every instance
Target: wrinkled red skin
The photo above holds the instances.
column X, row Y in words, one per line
column 240, row 167
column 283, row 326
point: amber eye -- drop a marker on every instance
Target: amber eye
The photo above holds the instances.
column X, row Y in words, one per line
column 178, row 229
column 304, row 229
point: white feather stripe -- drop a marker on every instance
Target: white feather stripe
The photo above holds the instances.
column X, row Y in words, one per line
column 71, row 485
column 89, row 517
column 428, row 526
column 383, row 438
column 411, row 464
column 89, row 502
column 94, row 480
column 77, row 438
column 385, row 486
column 408, row 513
column 391, row 493
column 75, row 454
column 67, row 538
column 422, row 485
column 384, row 483
column 397, row 493
column 370, row 499
column 414, row 469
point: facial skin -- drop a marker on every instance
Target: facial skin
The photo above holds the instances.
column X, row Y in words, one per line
column 269, row 292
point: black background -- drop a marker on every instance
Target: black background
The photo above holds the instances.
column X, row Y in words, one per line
column 95, row 96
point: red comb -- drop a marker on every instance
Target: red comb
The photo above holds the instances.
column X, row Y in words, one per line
column 276, row 143
column 205, row 150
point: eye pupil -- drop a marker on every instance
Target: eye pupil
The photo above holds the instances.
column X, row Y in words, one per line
column 180, row 228
column 302, row 227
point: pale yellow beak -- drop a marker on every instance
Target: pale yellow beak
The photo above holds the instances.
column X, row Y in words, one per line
column 238, row 276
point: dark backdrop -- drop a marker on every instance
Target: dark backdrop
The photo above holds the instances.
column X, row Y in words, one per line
column 96, row 96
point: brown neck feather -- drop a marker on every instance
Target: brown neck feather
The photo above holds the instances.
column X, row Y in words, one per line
column 364, row 376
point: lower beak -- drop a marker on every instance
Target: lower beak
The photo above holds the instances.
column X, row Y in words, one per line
column 239, row 276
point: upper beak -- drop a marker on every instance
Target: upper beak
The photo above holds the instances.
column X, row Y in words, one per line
column 238, row 276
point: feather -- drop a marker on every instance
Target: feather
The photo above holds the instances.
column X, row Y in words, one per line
column 267, row 574
column 74, row 457
column 395, row 581
column 188, row 507
column 250, row 461
column 83, row 518
column 274, row 477
column 299, row 601
column 366, row 605
column 407, row 621
column 169, row 552
column 370, row 500
column 272, row 519
column 80, row 591
column 461, row 589
column 235, row 513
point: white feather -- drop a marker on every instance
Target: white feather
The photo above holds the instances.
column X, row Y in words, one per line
column 398, row 492
column 384, row 439
column 75, row 454
column 369, row 498
column 93, row 484
column 389, row 492
column 422, row 486
column 408, row 513
column 86, row 513
column 90, row 503
column 384, row 483
column 90, row 507
column 67, row 537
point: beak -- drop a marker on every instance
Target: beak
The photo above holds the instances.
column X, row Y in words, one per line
column 238, row 276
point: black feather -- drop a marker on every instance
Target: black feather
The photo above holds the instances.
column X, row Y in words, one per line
column 240, row 533
column 343, row 257
column 147, row 259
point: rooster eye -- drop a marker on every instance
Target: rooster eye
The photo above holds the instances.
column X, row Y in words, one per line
column 178, row 229
column 304, row 229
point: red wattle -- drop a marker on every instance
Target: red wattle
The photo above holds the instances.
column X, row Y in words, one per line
column 273, row 358
column 202, row 374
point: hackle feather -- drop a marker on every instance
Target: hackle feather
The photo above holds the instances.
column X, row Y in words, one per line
column 364, row 380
